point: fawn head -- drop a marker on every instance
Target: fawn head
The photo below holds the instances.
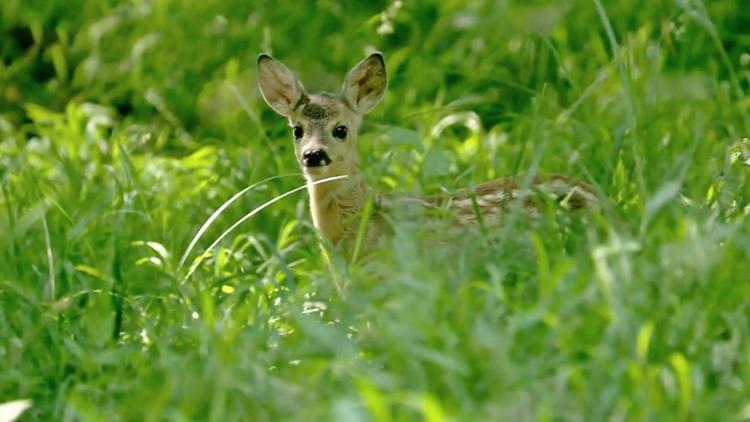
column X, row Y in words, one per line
column 324, row 126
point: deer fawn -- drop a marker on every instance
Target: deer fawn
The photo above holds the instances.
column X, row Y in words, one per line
column 324, row 128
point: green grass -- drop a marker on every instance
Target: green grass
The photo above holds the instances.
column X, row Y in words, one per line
column 124, row 125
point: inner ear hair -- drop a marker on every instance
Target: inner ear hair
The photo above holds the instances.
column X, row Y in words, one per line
column 278, row 85
column 366, row 83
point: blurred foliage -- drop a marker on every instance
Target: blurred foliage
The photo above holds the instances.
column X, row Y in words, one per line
column 124, row 125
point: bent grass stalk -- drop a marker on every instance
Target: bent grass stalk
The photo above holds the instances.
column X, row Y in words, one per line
column 218, row 212
column 249, row 215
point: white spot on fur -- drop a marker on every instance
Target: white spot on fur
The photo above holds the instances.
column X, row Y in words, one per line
column 463, row 203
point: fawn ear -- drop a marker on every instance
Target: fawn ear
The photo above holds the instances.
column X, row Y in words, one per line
column 365, row 84
column 279, row 86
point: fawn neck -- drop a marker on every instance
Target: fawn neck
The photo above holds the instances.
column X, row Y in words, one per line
column 336, row 205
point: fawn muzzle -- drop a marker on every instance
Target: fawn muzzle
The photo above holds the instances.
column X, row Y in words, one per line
column 315, row 158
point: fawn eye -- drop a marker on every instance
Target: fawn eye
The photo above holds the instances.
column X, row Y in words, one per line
column 297, row 132
column 340, row 132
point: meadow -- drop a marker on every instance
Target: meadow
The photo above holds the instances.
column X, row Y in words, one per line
column 125, row 124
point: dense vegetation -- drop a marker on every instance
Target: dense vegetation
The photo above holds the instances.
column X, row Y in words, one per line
column 124, row 125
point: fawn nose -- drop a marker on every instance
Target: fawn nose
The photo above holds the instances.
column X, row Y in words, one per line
column 315, row 158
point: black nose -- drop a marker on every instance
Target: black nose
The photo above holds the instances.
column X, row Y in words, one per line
column 315, row 158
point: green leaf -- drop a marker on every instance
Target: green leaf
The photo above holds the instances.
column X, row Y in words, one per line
column 435, row 163
column 401, row 136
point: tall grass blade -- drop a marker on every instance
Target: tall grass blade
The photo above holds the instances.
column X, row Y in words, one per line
column 362, row 229
column 50, row 259
column 255, row 211
column 220, row 210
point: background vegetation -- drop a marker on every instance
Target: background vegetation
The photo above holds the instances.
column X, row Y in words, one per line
column 125, row 124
